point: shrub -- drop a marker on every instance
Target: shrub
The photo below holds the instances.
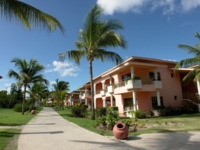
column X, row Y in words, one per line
column 149, row 113
column 18, row 108
column 189, row 106
column 100, row 112
column 114, row 108
column 140, row 114
column 79, row 110
column 109, row 119
column 127, row 122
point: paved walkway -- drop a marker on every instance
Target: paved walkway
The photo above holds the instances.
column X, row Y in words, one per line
column 49, row 131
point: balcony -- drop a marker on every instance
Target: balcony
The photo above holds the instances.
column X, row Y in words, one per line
column 133, row 84
column 110, row 88
column 157, row 84
column 103, row 92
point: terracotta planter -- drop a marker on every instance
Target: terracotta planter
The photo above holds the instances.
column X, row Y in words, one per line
column 32, row 111
column 120, row 131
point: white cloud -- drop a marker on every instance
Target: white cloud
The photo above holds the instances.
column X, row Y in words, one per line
column 168, row 6
column 111, row 6
column 7, row 84
column 187, row 5
column 137, row 6
column 170, row 60
column 52, row 82
column 64, row 69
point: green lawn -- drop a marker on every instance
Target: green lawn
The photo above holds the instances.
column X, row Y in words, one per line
column 187, row 122
column 9, row 136
column 8, row 117
column 86, row 123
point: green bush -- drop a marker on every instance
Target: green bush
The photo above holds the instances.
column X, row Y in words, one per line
column 189, row 106
column 149, row 113
column 140, row 114
column 109, row 119
column 114, row 108
column 18, row 108
column 127, row 122
column 100, row 112
column 79, row 110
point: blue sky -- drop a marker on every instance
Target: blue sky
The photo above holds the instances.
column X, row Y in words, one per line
column 152, row 28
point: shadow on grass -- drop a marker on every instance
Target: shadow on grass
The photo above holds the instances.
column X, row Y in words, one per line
column 10, row 124
column 66, row 115
column 11, row 134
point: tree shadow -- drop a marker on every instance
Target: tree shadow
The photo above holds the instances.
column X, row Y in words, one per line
column 116, row 144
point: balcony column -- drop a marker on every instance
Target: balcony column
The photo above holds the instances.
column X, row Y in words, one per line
column 110, row 80
column 94, row 89
column 103, row 85
column 198, row 86
column 104, row 101
column 155, row 74
column 158, row 98
column 94, row 103
column 86, row 101
column 132, row 72
column 111, row 100
column 86, row 93
column 134, row 101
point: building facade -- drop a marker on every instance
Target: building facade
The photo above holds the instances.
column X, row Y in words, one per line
column 138, row 84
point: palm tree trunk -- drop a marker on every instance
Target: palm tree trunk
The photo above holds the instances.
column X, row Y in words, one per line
column 24, row 100
column 92, row 89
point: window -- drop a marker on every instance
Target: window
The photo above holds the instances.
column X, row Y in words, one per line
column 126, row 76
column 155, row 103
column 152, row 75
column 128, row 103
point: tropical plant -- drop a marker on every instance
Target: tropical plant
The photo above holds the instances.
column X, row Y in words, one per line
column 28, row 73
column 61, row 85
column 92, row 42
column 60, row 90
column 192, row 61
column 37, row 92
column 28, row 15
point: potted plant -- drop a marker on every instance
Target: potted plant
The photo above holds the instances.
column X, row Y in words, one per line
column 134, row 78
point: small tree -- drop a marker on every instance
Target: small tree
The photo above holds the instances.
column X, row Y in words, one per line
column 28, row 73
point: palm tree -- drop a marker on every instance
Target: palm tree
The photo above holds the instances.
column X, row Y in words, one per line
column 60, row 90
column 28, row 15
column 195, row 60
column 37, row 92
column 28, row 73
column 95, row 37
column 61, row 85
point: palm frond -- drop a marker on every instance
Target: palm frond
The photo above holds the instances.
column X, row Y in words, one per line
column 108, row 55
column 190, row 49
column 190, row 76
column 75, row 55
column 188, row 62
column 28, row 15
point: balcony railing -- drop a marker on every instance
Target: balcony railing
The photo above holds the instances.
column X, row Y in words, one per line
column 135, row 84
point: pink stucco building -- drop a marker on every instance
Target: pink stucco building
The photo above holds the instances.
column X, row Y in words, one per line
column 137, row 83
